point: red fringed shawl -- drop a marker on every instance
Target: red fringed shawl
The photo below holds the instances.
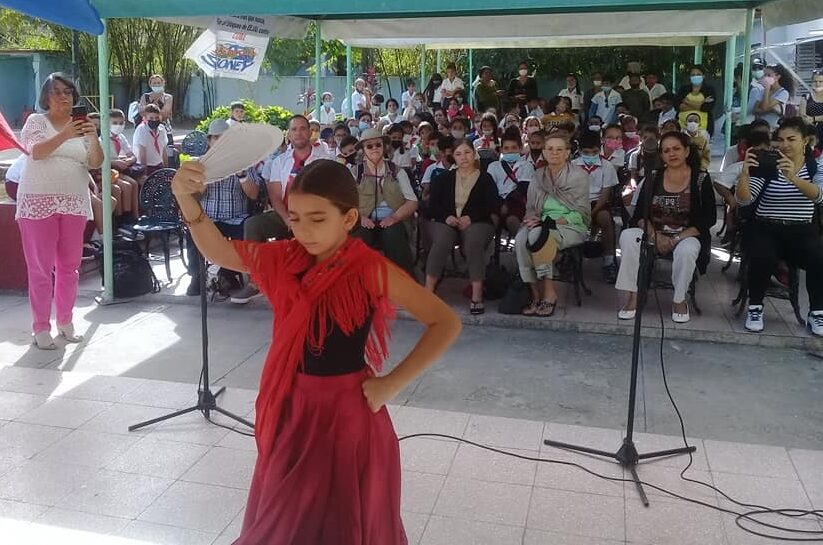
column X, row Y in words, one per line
column 308, row 298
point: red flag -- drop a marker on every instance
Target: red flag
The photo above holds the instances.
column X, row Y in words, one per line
column 7, row 138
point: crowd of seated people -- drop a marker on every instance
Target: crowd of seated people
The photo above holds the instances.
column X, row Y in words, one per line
column 461, row 161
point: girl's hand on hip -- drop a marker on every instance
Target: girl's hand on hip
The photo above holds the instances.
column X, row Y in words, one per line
column 378, row 391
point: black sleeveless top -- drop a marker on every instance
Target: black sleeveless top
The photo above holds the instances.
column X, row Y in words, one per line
column 341, row 354
column 813, row 109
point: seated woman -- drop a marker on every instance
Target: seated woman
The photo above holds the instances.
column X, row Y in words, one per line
column 387, row 200
column 559, row 193
column 784, row 201
column 462, row 204
column 681, row 211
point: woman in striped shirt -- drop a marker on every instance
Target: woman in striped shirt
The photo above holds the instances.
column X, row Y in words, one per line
column 783, row 228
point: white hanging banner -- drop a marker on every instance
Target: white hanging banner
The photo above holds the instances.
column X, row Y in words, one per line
column 233, row 47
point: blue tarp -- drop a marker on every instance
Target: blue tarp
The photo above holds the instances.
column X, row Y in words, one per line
column 76, row 14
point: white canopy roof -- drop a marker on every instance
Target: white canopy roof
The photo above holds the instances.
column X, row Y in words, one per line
column 653, row 28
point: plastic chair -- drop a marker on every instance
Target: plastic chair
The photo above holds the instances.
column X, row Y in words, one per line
column 195, row 144
column 162, row 215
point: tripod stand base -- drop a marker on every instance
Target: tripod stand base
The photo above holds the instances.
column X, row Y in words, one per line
column 206, row 402
column 627, row 456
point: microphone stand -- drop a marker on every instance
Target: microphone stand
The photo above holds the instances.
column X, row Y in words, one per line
column 206, row 400
column 627, row 455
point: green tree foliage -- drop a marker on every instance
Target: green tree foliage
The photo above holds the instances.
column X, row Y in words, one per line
column 20, row 32
column 274, row 115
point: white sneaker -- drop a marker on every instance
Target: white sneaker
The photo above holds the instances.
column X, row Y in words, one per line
column 681, row 317
column 814, row 323
column 754, row 318
column 626, row 314
column 246, row 294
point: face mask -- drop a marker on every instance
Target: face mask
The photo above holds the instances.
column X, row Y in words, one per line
column 696, row 80
column 612, row 145
column 594, row 128
column 589, row 160
column 536, row 153
column 327, row 103
column 406, row 138
column 532, row 129
column 355, row 131
column 458, row 134
column 597, row 82
column 417, row 104
column 117, row 129
column 757, row 74
column 351, row 158
column 607, row 88
column 363, row 125
column 157, row 88
column 396, row 144
column 767, row 81
column 153, row 124
column 488, row 133
column 631, row 134
column 522, row 71
column 692, row 126
column 510, row 157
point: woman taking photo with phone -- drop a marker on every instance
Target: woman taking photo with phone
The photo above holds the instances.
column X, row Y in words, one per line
column 53, row 205
column 784, row 197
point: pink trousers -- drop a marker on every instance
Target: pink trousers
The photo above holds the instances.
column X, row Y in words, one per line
column 52, row 245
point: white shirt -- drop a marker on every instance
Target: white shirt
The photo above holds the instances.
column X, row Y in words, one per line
column 522, row 170
column 328, row 117
column 389, row 120
column 58, row 183
column 15, row 171
column 125, row 147
column 448, row 87
column 407, row 99
column 666, row 116
column 601, row 176
column 358, row 101
column 729, row 174
column 575, row 96
column 283, row 164
column 618, row 158
column 606, row 108
column 407, row 159
column 143, row 136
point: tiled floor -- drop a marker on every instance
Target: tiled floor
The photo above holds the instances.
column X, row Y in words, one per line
column 70, row 472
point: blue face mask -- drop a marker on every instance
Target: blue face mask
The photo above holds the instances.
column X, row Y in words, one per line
column 696, row 80
column 510, row 157
column 606, row 88
column 363, row 125
column 590, row 160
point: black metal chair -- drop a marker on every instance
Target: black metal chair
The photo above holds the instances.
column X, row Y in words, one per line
column 162, row 216
column 569, row 269
column 195, row 144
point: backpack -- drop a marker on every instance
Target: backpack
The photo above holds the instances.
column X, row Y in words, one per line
column 516, row 298
column 133, row 275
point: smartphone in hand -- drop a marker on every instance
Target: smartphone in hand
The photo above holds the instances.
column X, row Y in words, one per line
column 79, row 113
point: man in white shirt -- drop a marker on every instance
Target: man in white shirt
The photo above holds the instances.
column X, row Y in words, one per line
column 602, row 178
column 451, row 83
column 604, row 103
column 358, row 98
column 512, row 174
column 149, row 141
column 274, row 223
column 407, row 98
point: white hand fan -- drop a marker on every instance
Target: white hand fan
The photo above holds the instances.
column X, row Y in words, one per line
column 242, row 146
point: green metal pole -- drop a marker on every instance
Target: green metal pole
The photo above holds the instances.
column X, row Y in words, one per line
column 318, row 46
column 439, row 60
column 103, row 91
column 728, row 89
column 745, row 79
column 471, row 79
column 422, row 85
column 349, row 75
column 674, row 70
column 698, row 52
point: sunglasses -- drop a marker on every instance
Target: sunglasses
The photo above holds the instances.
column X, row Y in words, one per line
column 377, row 145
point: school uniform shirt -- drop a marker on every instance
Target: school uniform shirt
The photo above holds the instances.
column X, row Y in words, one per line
column 666, row 116
column 357, row 102
column 575, row 96
column 432, row 170
column 729, row 173
column 618, row 158
column 485, row 143
column 119, row 146
column 605, row 107
column 15, row 171
column 522, row 171
column 328, row 117
column 450, row 86
column 408, row 159
column 388, row 119
column 602, row 175
column 152, row 141
column 540, row 162
column 407, row 99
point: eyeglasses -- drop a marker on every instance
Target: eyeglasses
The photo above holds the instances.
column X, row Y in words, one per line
column 378, row 145
column 64, row 92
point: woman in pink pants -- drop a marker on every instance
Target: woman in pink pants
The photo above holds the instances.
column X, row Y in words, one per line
column 53, row 205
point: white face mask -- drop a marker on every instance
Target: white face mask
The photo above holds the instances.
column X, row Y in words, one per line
column 157, row 88
column 631, row 134
column 327, row 103
column 532, row 129
column 117, row 129
column 692, row 126
column 458, row 134
column 594, row 128
column 597, row 82
column 522, row 71
column 488, row 132
column 406, row 138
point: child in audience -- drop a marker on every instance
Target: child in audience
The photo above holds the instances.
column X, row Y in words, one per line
column 487, row 142
column 630, row 137
column 149, row 141
column 613, row 145
column 512, row 175
column 347, row 153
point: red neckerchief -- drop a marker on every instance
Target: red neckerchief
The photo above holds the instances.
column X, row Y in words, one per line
column 116, row 140
column 156, row 136
column 590, row 169
column 487, row 142
column 309, row 299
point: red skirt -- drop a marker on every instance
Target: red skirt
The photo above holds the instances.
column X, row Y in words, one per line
column 333, row 476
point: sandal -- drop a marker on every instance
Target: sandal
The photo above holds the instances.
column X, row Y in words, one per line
column 477, row 307
column 67, row 333
column 530, row 310
column 546, row 308
column 43, row 341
